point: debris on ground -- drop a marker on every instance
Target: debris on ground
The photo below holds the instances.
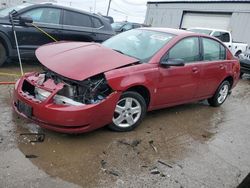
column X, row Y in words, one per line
column 164, row 163
column 103, row 163
column 103, row 167
column 155, row 171
column 112, row 172
column 151, row 143
column 31, row 156
column 133, row 144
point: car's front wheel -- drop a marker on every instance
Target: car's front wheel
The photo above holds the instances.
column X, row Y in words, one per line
column 129, row 112
column 220, row 94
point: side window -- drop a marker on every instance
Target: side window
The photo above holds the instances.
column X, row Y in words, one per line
column 44, row 15
column 136, row 26
column 96, row 22
column 213, row 50
column 76, row 19
column 223, row 36
column 187, row 49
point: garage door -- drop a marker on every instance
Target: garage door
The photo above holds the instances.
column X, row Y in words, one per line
column 208, row 20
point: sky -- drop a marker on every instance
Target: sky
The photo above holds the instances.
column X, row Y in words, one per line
column 120, row 10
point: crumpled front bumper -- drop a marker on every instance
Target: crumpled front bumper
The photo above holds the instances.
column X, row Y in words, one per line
column 61, row 118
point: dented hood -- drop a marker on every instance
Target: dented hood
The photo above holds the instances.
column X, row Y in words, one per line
column 79, row 60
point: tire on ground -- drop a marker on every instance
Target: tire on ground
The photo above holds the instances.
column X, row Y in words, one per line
column 214, row 101
column 137, row 97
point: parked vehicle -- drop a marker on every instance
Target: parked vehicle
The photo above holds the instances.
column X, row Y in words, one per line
column 226, row 37
column 119, row 27
column 85, row 86
column 61, row 22
column 244, row 63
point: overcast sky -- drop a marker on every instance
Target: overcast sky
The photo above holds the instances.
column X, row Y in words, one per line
column 120, row 10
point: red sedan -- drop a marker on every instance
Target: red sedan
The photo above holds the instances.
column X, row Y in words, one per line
column 85, row 86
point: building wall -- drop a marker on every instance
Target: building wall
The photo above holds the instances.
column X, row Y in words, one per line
column 170, row 15
column 7, row 3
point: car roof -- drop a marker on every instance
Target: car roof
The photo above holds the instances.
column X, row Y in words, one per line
column 209, row 29
column 169, row 30
column 56, row 5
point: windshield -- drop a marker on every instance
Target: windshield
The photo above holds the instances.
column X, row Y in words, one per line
column 139, row 43
column 117, row 25
column 202, row 31
column 5, row 12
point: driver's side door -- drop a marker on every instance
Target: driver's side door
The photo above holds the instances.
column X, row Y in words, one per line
column 178, row 84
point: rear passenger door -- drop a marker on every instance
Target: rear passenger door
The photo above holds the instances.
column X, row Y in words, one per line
column 99, row 30
column 77, row 27
column 213, row 66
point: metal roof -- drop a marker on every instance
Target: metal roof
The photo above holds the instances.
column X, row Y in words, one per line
column 198, row 1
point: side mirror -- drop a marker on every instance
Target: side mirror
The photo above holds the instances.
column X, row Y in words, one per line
column 25, row 20
column 173, row 62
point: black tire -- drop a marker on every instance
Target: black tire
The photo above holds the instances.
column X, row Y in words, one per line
column 241, row 74
column 3, row 54
column 137, row 100
column 237, row 54
column 215, row 100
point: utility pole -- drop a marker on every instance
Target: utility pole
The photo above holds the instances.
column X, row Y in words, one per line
column 108, row 7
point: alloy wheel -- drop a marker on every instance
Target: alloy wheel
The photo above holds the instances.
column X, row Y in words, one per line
column 127, row 112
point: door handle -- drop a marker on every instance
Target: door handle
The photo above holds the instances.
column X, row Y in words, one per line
column 195, row 70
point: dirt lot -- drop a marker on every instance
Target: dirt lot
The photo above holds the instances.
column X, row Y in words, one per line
column 191, row 145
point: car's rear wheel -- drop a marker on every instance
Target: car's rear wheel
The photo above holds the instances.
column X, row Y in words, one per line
column 3, row 55
column 129, row 112
column 220, row 94
column 237, row 54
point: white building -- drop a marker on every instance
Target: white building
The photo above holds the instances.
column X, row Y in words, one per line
column 232, row 15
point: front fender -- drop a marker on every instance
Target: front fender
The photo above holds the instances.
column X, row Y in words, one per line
column 141, row 74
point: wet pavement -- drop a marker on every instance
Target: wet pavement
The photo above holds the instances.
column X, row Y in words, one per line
column 192, row 145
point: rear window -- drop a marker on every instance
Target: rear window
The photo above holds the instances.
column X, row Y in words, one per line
column 96, row 22
column 223, row 36
column 76, row 19
column 213, row 50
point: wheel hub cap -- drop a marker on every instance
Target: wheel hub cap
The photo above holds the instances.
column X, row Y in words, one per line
column 127, row 112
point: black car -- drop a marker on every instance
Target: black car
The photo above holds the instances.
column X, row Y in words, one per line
column 63, row 23
column 119, row 27
column 244, row 63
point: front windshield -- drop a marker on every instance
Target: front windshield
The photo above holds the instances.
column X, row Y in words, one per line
column 5, row 12
column 201, row 31
column 117, row 25
column 139, row 43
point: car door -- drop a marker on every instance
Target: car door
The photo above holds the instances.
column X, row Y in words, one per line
column 178, row 84
column 99, row 30
column 48, row 19
column 77, row 27
column 213, row 66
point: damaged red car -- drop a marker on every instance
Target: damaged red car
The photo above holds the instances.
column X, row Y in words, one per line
column 85, row 86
